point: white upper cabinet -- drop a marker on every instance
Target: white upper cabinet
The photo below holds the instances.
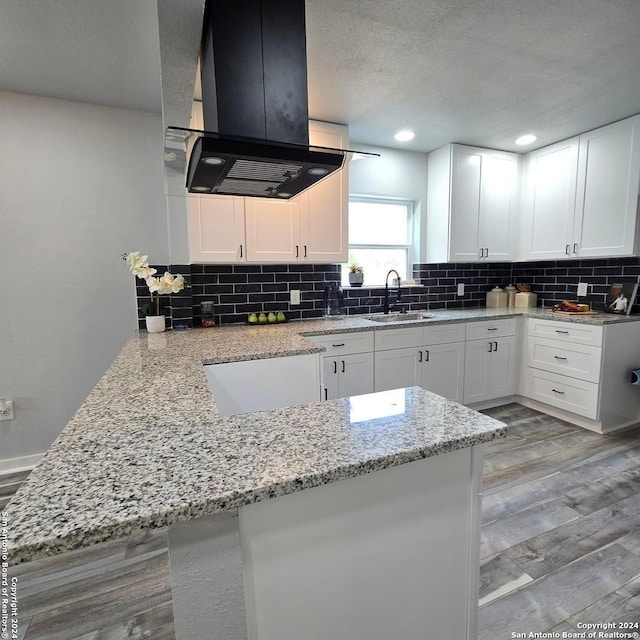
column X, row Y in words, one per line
column 309, row 228
column 549, row 202
column 324, row 208
column 607, row 190
column 216, row 229
column 581, row 195
column 273, row 230
column 471, row 205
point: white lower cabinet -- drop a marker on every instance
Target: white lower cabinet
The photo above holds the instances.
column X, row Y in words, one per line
column 437, row 367
column 349, row 375
column 490, row 368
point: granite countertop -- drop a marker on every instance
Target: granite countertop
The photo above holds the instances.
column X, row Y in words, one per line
column 148, row 449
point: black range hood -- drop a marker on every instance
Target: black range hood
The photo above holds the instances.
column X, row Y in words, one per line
column 255, row 107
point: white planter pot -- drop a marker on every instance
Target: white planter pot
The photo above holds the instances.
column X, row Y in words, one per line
column 356, row 278
column 155, row 324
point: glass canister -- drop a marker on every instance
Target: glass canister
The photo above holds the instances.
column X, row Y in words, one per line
column 207, row 314
column 497, row 297
column 511, row 292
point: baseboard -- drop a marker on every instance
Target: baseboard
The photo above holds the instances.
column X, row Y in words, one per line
column 567, row 416
column 25, row 463
column 490, row 404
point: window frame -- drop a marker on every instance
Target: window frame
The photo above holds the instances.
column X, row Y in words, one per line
column 409, row 247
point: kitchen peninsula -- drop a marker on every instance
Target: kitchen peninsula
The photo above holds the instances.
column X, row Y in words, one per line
column 399, row 473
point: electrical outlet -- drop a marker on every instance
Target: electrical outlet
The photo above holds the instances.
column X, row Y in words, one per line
column 295, row 296
column 582, row 288
column 6, row 409
column 460, row 288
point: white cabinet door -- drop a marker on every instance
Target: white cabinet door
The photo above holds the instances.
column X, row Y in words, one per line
column 501, row 371
column 476, row 382
column 466, row 167
column 216, row 229
column 397, row 368
column 497, row 234
column 273, row 230
column 330, row 379
column 607, row 192
column 356, row 374
column 549, row 202
column 489, row 369
column 443, row 370
column 324, row 207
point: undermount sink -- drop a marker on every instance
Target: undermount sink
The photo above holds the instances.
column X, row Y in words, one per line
column 399, row 317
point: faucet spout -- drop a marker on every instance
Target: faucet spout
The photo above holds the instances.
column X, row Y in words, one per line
column 386, row 291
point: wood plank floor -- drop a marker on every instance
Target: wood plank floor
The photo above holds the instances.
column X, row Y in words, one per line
column 560, row 547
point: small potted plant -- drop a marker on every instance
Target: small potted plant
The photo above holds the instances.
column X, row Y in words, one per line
column 162, row 285
column 356, row 275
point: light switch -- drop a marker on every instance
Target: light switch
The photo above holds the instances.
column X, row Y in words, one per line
column 582, row 288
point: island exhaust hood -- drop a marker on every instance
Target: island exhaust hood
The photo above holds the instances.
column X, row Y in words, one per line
column 255, row 107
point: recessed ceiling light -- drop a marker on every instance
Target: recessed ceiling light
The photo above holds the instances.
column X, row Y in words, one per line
column 405, row 135
column 212, row 160
column 200, row 189
column 283, row 194
column 526, row 139
column 318, row 171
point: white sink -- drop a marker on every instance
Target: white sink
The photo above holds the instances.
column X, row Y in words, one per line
column 398, row 317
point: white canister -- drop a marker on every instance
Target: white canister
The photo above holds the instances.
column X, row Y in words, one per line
column 511, row 292
column 526, row 299
column 497, row 297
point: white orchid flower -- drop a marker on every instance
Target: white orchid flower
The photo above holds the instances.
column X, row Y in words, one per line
column 136, row 262
column 178, row 284
column 170, row 284
column 145, row 272
column 153, row 283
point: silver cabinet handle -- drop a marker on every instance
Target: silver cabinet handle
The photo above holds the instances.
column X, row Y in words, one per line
column 561, row 393
column 481, row 253
column 486, row 252
column 575, row 247
column 559, row 358
column 567, row 249
column 558, row 331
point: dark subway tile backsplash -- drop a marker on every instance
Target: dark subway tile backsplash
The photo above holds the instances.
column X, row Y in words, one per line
column 237, row 290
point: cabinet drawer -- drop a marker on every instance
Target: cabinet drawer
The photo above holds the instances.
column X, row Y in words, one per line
column 443, row 333
column 575, row 360
column 577, row 396
column 491, row 329
column 398, row 338
column 566, row 331
column 345, row 343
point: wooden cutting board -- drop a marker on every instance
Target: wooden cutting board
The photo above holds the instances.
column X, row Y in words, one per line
column 573, row 313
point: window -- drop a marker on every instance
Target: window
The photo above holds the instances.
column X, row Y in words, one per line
column 380, row 238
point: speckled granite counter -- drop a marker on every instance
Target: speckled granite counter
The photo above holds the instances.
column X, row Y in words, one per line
column 148, row 449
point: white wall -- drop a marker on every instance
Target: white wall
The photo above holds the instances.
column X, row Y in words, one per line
column 396, row 173
column 80, row 185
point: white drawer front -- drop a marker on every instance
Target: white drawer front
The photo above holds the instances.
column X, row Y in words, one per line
column 345, row 343
column 575, row 360
column 577, row 396
column 398, row 338
column 567, row 331
column 444, row 333
column 491, row 329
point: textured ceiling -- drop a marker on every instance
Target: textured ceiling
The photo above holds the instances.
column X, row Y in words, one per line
column 473, row 71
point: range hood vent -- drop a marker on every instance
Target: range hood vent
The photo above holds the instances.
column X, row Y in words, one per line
column 255, row 107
